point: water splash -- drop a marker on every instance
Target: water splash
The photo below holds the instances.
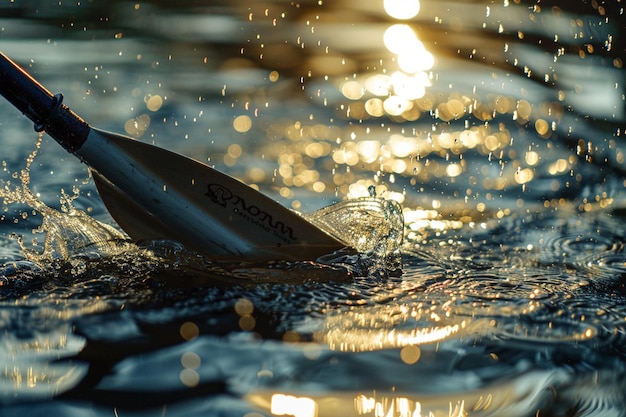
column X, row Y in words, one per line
column 367, row 224
column 67, row 231
column 373, row 226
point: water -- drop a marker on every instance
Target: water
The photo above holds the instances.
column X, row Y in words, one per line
column 498, row 127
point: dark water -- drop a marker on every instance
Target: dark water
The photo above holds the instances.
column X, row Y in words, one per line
column 499, row 127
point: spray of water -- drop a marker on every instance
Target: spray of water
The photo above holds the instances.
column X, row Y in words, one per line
column 68, row 230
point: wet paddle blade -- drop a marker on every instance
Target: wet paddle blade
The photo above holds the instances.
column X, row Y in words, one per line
column 157, row 194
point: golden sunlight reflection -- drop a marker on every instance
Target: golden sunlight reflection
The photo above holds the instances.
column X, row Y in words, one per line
column 419, row 223
column 398, row 36
column 400, row 406
column 188, row 375
column 319, row 157
column 137, row 126
column 479, row 152
column 290, row 405
column 377, row 404
column 244, row 308
column 189, row 330
column 410, row 354
column 394, row 94
column 404, row 327
column 399, row 77
column 514, row 397
column 412, row 56
column 358, row 340
column 32, row 368
column 153, row 102
column 242, row 123
column 402, row 9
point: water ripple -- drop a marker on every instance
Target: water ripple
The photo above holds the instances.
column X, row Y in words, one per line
column 574, row 244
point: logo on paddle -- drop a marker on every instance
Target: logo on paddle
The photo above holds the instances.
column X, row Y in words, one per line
column 224, row 197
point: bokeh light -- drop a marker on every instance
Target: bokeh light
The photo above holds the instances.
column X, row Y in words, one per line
column 402, row 9
column 242, row 123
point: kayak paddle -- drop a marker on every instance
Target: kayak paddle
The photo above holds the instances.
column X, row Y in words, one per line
column 153, row 193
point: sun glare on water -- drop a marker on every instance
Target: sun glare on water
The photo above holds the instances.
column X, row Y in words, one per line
column 402, row 9
column 394, row 94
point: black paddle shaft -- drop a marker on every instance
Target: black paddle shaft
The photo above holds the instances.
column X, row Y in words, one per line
column 46, row 110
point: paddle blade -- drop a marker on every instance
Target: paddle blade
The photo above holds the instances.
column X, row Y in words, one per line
column 129, row 215
column 154, row 193
column 157, row 194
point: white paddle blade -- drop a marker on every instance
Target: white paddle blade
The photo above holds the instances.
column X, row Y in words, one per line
column 154, row 193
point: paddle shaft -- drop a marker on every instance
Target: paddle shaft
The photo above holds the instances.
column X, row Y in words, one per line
column 42, row 107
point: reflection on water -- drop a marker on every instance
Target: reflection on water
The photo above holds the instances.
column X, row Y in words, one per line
column 37, row 368
column 530, row 390
column 293, row 406
column 497, row 288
